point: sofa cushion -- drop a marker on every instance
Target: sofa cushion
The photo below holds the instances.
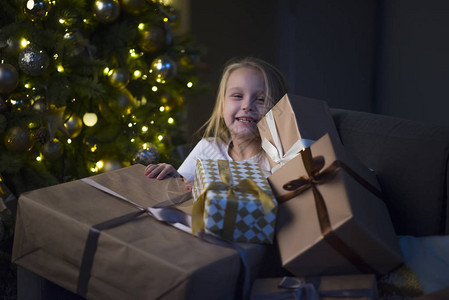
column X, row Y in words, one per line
column 411, row 162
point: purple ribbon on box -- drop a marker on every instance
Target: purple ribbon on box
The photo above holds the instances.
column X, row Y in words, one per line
column 300, row 289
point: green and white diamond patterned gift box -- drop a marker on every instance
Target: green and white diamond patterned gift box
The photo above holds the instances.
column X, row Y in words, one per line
column 233, row 200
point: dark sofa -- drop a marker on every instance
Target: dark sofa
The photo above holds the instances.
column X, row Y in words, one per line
column 411, row 162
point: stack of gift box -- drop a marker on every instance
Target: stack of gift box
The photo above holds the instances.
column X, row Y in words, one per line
column 317, row 228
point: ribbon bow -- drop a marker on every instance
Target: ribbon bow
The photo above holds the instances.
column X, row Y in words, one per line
column 316, row 175
column 244, row 186
column 275, row 151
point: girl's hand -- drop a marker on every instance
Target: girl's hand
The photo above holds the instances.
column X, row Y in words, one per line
column 189, row 185
column 161, row 171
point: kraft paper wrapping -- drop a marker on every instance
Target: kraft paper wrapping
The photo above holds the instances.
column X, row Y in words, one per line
column 357, row 217
column 356, row 284
column 298, row 117
column 143, row 259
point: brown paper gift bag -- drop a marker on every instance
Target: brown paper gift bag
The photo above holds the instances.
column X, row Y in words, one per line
column 297, row 118
column 342, row 287
column 142, row 259
column 330, row 220
column 298, row 122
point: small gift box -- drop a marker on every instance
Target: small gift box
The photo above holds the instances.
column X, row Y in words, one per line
column 293, row 124
column 233, row 200
column 360, row 287
column 331, row 220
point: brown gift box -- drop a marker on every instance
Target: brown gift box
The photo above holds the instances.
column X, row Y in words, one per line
column 334, row 221
column 273, row 288
column 142, row 259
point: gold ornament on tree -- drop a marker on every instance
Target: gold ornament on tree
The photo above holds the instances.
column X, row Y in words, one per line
column 106, row 11
column 152, row 39
column 37, row 10
column 119, row 78
column 9, row 78
column 123, row 102
column 73, row 126
column 18, row 139
column 53, row 149
column 163, row 68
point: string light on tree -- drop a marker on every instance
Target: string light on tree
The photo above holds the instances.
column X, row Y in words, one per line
column 116, row 58
column 90, row 119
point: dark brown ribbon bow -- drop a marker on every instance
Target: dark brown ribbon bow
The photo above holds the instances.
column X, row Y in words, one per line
column 316, row 175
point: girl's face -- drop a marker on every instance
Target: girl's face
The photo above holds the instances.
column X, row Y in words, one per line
column 244, row 102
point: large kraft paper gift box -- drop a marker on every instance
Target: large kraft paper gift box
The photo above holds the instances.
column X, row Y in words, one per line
column 233, row 199
column 331, row 220
column 349, row 287
column 141, row 259
column 293, row 124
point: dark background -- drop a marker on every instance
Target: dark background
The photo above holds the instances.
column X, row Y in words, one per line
column 388, row 56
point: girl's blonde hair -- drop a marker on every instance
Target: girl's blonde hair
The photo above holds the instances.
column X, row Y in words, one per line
column 275, row 85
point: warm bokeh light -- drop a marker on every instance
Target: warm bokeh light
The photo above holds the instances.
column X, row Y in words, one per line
column 90, row 119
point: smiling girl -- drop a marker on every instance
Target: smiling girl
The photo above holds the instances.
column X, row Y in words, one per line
column 248, row 89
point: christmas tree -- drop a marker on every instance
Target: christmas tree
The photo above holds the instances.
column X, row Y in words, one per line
column 88, row 86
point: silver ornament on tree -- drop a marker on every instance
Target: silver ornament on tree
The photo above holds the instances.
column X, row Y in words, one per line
column 119, row 78
column 37, row 10
column 9, row 78
column 146, row 156
column 18, row 139
column 33, row 60
column 106, row 11
column 123, row 103
column 163, row 68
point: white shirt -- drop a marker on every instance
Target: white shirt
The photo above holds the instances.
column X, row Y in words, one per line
column 212, row 148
